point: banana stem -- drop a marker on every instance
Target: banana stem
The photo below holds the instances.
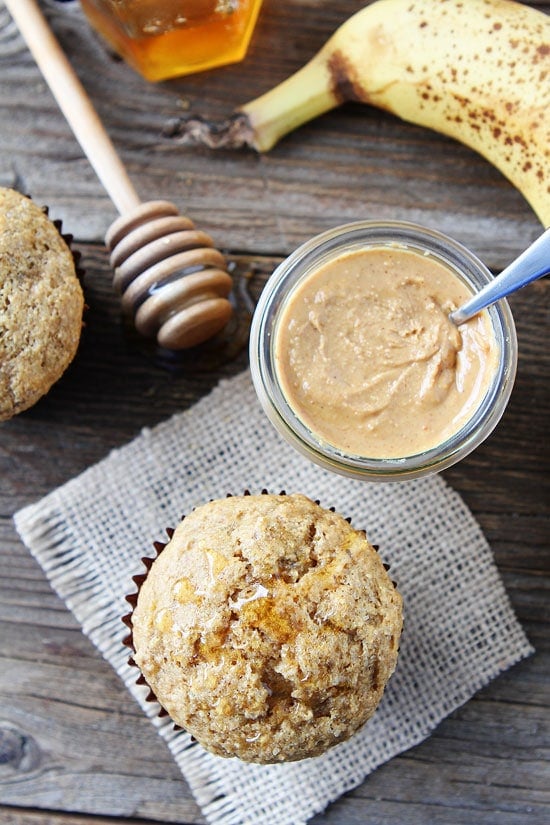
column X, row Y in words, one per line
column 303, row 96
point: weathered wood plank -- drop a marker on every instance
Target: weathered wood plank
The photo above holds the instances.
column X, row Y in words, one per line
column 486, row 761
column 19, row 816
column 72, row 743
column 70, row 735
column 355, row 163
column 137, row 392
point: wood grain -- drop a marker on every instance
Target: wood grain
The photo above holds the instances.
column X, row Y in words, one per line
column 20, row 816
column 74, row 748
column 357, row 162
column 490, row 757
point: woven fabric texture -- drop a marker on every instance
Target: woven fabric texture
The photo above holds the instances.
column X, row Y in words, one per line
column 459, row 628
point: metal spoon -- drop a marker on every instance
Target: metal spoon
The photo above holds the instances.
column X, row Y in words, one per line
column 530, row 265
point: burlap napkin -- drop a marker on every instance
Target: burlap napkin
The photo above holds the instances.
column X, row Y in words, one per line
column 460, row 630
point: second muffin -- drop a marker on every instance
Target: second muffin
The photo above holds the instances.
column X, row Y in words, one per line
column 41, row 304
column 268, row 627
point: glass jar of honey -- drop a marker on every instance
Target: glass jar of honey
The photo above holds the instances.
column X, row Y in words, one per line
column 168, row 38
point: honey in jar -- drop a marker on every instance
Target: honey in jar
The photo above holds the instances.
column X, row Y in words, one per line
column 167, row 38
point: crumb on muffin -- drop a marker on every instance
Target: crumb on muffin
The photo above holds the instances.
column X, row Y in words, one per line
column 267, row 627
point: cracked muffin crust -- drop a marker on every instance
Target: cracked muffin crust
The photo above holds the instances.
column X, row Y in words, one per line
column 41, row 304
column 267, row 627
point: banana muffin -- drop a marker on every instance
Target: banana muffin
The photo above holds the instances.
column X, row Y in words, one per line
column 267, row 627
column 41, row 304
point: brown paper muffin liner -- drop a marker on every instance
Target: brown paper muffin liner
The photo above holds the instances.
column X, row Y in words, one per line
column 132, row 598
column 76, row 254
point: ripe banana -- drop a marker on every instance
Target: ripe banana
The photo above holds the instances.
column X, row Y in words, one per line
column 476, row 70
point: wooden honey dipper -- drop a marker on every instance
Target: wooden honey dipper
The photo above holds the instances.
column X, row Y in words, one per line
column 171, row 278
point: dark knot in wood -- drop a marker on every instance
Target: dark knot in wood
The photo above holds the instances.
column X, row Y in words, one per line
column 18, row 750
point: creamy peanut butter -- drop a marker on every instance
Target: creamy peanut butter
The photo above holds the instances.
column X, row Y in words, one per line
column 370, row 362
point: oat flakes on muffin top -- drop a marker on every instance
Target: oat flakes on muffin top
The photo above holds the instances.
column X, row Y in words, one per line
column 268, row 627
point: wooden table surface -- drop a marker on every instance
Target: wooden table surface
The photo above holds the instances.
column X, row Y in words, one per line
column 74, row 748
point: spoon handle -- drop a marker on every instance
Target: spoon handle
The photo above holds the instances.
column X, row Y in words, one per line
column 530, row 265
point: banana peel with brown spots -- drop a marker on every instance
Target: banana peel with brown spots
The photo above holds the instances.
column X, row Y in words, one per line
column 475, row 70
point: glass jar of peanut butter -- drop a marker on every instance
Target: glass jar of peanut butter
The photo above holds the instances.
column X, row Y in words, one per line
column 169, row 38
column 355, row 359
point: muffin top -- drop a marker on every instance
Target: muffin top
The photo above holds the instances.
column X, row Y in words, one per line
column 267, row 627
column 41, row 304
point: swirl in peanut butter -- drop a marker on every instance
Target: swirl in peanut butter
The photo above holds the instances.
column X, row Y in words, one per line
column 370, row 362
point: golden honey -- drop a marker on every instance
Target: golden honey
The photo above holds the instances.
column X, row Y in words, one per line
column 168, row 38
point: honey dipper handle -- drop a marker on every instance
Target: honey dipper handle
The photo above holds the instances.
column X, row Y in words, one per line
column 74, row 103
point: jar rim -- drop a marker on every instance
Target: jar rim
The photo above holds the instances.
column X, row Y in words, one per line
column 364, row 234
